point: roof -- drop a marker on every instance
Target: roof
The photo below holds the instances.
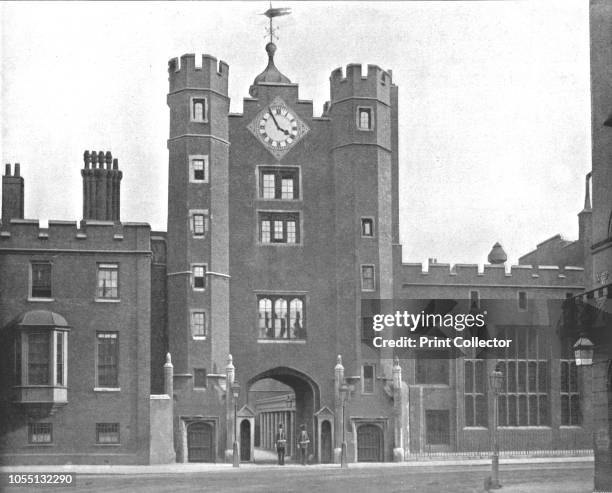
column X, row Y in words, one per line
column 42, row 318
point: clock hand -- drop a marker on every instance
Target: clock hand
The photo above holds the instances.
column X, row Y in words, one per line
column 286, row 132
column 274, row 119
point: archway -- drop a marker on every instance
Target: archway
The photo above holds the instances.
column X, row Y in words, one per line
column 295, row 407
column 245, row 440
column 326, row 443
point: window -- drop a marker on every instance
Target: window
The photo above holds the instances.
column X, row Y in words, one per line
column 108, row 281
column 107, row 433
column 367, row 227
column 364, row 118
column 44, row 358
column 199, row 277
column 367, row 386
column 474, row 300
column 199, row 378
column 432, row 367
column 367, row 278
column 279, row 183
column 475, row 392
column 59, row 360
column 198, row 324
column 198, row 110
column 198, row 169
column 524, row 399
column 281, row 317
column 522, row 300
column 107, row 360
column 40, row 433
column 279, row 227
column 199, row 223
column 41, row 280
column 437, row 424
column 570, row 398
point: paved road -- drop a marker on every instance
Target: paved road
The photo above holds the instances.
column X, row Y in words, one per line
column 531, row 478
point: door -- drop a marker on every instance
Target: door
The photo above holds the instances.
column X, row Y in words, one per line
column 200, row 442
column 369, row 444
column 326, row 442
column 245, row 440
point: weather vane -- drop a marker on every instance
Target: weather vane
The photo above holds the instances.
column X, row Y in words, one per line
column 270, row 14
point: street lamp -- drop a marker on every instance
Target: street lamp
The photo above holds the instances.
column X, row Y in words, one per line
column 344, row 390
column 583, row 351
column 496, row 383
column 236, row 393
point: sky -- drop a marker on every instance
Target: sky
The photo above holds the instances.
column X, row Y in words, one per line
column 494, row 116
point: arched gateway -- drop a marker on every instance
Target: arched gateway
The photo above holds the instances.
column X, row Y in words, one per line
column 307, row 402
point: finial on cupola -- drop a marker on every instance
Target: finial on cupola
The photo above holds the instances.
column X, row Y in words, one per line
column 497, row 255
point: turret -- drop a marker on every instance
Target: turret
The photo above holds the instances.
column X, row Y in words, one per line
column 198, row 207
column 12, row 195
column 363, row 114
column 585, row 229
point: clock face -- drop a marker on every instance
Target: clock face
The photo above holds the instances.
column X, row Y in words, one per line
column 278, row 128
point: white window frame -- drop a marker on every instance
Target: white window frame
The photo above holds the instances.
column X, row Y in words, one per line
column 362, row 278
column 199, row 337
column 199, row 157
column 37, row 298
column 23, row 344
column 192, row 101
column 108, row 266
column 201, row 212
column 275, row 169
column 361, row 222
column 358, row 118
column 193, row 276
column 110, row 335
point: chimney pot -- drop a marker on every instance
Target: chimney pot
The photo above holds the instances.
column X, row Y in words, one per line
column 100, row 159
column 115, row 163
column 7, row 171
column 17, row 169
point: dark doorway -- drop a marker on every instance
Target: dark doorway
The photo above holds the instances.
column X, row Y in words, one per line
column 200, row 442
column 369, row 444
column 326, row 442
column 245, row 440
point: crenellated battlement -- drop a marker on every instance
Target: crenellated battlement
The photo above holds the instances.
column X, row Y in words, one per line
column 491, row 275
column 375, row 84
column 212, row 74
column 26, row 234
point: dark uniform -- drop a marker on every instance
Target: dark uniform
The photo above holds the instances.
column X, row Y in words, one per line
column 281, row 443
column 303, row 442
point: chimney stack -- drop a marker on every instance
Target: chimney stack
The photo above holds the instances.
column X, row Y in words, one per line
column 101, row 186
column 12, row 195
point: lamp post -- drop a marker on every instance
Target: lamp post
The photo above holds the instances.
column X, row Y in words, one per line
column 236, row 393
column 344, row 389
column 496, row 382
column 583, row 351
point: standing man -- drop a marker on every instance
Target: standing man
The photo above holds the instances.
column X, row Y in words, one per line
column 281, row 442
column 303, row 442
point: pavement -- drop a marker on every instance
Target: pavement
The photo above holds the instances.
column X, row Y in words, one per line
column 517, row 476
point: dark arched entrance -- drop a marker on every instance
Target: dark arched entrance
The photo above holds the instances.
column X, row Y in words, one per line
column 306, row 403
column 200, row 442
column 369, row 443
column 245, row 440
column 326, row 442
